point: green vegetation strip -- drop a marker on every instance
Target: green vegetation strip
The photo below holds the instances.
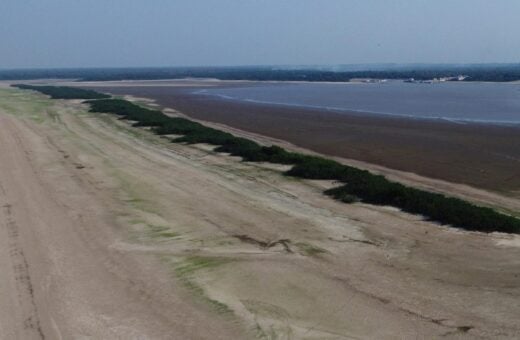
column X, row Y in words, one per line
column 358, row 185
column 474, row 72
column 62, row 92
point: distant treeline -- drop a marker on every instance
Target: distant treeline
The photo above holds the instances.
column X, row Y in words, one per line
column 63, row 92
column 491, row 72
column 358, row 185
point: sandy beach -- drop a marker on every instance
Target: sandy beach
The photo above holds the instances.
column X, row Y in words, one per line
column 112, row 232
column 259, row 170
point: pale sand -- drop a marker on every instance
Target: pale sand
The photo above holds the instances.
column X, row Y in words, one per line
column 109, row 232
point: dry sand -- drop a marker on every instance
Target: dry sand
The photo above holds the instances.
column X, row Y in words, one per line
column 109, row 232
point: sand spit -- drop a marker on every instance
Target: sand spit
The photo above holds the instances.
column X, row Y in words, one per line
column 108, row 231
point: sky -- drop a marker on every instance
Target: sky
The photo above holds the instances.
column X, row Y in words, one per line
column 126, row 33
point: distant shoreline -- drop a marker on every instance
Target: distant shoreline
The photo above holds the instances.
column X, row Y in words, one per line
column 501, row 72
column 205, row 84
column 363, row 112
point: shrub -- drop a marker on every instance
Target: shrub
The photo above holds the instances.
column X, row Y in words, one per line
column 318, row 168
column 130, row 111
column 177, row 126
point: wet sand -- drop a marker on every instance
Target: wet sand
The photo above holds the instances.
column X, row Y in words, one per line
column 480, row 155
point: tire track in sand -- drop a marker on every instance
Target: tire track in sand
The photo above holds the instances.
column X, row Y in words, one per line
column 24, row 287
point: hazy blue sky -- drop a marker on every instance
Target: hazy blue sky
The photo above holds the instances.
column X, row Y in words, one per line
column 70, row 33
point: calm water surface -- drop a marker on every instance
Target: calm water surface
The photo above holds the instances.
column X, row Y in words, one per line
column 456, row 101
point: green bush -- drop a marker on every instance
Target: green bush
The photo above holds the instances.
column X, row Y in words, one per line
column 318, row 168
column 276, row 154
column 178, row 126
column 129, row 111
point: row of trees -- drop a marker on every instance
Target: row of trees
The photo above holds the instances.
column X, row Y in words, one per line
column 485, row 72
